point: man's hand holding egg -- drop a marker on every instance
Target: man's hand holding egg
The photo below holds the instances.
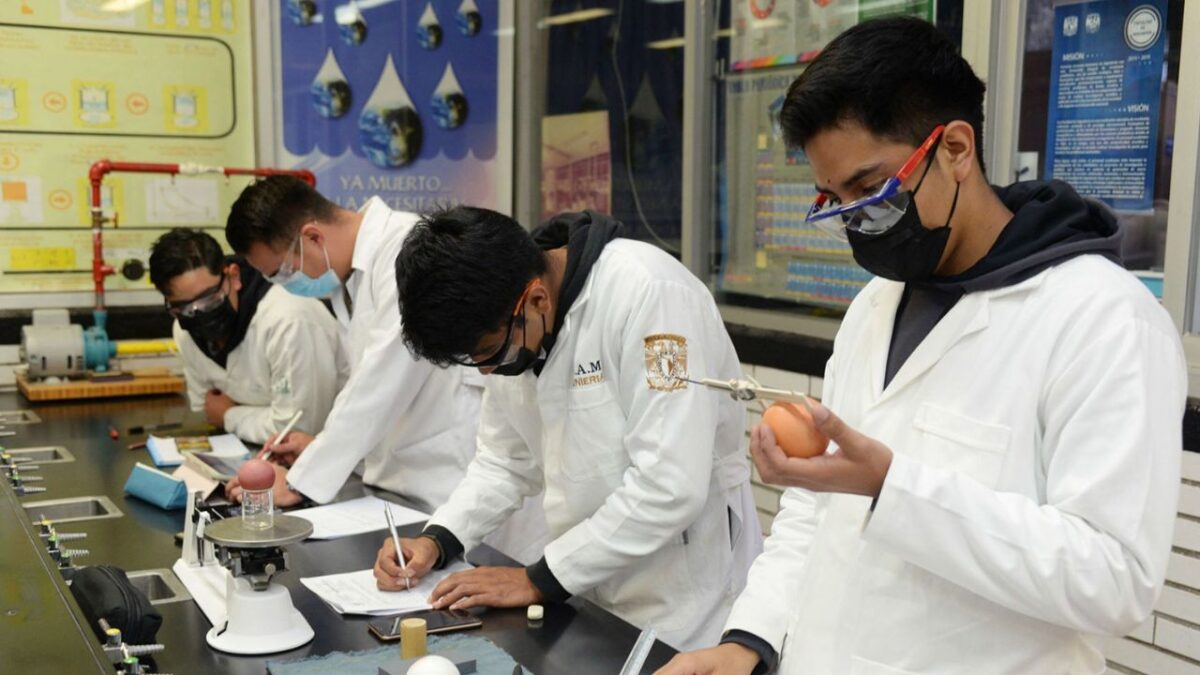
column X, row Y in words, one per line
column 794, row 430
column 789, row 449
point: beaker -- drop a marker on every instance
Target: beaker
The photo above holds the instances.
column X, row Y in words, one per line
column 258, row 509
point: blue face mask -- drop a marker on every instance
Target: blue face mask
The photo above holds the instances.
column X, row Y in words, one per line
column 303, row 285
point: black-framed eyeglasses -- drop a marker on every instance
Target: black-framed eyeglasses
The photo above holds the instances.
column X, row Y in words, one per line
column 208, row 300
column 507, row 353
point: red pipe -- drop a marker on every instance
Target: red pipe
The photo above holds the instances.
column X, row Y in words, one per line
column 100, row 169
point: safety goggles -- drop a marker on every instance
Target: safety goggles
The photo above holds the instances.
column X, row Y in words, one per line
column 878, row 212
column 507, row 353
column 287, row 268
column 207, row 301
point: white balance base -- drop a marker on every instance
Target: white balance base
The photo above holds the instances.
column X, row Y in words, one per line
column 260, row 622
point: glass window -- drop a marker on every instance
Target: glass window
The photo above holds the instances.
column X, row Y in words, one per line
column 1098, row 93
column 612, row 134
column 766, row 255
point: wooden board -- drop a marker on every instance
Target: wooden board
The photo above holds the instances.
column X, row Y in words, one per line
column 77, row 389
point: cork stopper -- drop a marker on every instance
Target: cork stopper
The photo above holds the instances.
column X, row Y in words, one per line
column 412, row 639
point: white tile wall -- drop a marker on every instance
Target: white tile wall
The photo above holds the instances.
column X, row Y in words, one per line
column 765, row 519
column 817, row 387
column 1187, row 533
column 1179, row 602
column 1168, row 643
column 1177, row 637
column 780, row 379
column 1184, row 569
column 1189, row 499
column 1144, row 632
column 1139, row 657
column 1191, row 466
column 766, row 499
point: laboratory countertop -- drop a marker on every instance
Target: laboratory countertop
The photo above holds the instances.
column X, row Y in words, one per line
column 576, row 637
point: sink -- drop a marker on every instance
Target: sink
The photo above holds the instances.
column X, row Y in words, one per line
column 19, row 417
column 72, row 509
column 46, row 454
column 160, row 586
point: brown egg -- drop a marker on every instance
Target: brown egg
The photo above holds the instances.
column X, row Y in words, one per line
column 256, row 474
column 795, row 431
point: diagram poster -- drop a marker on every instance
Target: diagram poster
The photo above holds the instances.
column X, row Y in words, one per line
column 1105, row 89
column 408, row 100
column 782, row 32
column 84, row 80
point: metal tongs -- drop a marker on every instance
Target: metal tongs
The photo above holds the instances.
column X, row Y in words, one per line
column 750, row 390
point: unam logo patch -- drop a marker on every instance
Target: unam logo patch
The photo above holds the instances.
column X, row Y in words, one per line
column 666, row 362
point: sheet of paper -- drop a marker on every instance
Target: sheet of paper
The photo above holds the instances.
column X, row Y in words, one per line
column 355, row 516
column 227, row 445
column 196, row 482
column 355, row 592
column 163, row 451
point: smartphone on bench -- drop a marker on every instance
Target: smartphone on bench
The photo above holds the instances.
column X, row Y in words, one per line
column 436, row 621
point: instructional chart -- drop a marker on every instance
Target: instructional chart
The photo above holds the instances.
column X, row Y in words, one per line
column 82, row 80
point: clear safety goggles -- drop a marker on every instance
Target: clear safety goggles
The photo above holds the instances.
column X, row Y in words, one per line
column 207, row 301
column 287, row 268
column 876, row 213
column 508, row 351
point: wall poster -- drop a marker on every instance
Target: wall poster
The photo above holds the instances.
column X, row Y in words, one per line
column 410, row 100
column 82, row 80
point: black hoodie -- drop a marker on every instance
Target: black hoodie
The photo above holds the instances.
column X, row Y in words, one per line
column 1051, row 224
column 585, row 234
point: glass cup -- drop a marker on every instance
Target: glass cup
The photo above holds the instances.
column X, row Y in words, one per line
column 258, row 509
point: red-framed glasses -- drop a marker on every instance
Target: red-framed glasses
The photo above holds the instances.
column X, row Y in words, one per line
column 878, row 212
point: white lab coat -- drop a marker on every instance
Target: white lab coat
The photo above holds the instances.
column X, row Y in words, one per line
column 1030, row 502
column 289, row 360
column 642, row 486
column 413, row 423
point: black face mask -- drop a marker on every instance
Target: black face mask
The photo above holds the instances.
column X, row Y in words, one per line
column 908, row 251
column 211, row 329
column 526, row 358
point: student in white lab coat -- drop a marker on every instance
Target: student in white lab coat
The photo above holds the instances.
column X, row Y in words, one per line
column 412, row 424
column 589, row 340
column 1002, row 484
column 252, row 354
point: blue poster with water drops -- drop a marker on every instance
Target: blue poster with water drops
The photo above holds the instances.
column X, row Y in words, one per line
column 397, row 98
column 1105, row 92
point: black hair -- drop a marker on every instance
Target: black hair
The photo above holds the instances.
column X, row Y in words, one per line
column 271, row 211
column 899, row 77
column 459, row 275
column 180, row 251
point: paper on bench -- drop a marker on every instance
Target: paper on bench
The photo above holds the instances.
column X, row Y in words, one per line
column 355, row 592
column 164, row 450
column 195, row 482
column 355, row 516
column 227, row 445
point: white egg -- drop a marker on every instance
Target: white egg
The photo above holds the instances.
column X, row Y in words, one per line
column 433, row 665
